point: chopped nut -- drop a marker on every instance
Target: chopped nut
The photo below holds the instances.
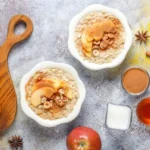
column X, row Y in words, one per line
column 113, row 31
column 59, row 102
column 51, row 103
column 105, row 37
column 61, row 96
column 96, row 42
column 148, row 53
column 47, row 105
column 40, row 106
column 111, row 41
column 57, row 98
column 65, row 99
column 95, row 47
column 110, row 35
column 96, row 52
column 104, row 45
column 61, row 91
column 53, row 96
column 44, row 99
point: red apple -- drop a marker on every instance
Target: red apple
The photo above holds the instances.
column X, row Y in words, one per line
column 83, row 138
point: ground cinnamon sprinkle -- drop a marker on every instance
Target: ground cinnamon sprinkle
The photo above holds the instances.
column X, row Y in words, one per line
column 135, row 80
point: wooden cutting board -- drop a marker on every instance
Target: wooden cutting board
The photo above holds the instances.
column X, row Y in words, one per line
column 8, row 99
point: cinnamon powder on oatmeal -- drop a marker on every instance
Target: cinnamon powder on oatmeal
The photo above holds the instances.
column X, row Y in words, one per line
column 135, row 80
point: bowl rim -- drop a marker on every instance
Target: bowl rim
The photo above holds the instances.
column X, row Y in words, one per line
column 45, row 122
column 128, row 34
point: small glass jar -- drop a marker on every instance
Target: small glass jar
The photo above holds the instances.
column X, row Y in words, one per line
column 146, row 87
column 143, row 111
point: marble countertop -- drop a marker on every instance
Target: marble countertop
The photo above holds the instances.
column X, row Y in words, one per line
column 49, row 42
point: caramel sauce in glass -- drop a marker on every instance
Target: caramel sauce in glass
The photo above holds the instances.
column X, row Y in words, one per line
column 143, row 111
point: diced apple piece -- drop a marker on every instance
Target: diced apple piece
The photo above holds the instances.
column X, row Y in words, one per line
column 38, row 94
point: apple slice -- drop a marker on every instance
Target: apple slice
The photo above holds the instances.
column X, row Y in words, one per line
column 55, row 82
column 98, row 29
column 38, row 94
column 43, row 83
column 58, row 84
column 88, row 54
column 67, row 90
column 87, row 45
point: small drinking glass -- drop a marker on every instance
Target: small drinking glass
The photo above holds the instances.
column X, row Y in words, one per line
column 143, row 111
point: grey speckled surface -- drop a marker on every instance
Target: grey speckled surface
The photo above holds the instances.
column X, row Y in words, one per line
column 49, row 42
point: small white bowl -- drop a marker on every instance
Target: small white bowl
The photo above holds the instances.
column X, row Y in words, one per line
column 128, row 37
column 45, row 122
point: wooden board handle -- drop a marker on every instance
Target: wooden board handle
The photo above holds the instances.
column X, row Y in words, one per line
column 8, row 103
column 12, row 38
column 8, row 99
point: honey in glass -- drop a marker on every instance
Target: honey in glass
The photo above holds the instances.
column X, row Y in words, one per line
column 143, row 111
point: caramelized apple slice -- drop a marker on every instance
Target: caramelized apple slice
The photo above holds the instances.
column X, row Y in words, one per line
column 97, row 30
column 87, row 45
column 55, row 82
column 108, row 26
column 67, row 90
column 88, row 54
column 38, row 94
column 43, row 83
column 58, row 84
column 94, row 32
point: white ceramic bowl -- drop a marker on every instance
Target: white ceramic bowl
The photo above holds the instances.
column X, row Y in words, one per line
column 128, row 37
column 51, row 123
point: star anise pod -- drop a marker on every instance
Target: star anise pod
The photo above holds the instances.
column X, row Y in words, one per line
column 16, row 142
column 142, row 36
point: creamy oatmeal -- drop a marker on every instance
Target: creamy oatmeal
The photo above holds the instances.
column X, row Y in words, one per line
column 52, row 93
column 99, row 37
